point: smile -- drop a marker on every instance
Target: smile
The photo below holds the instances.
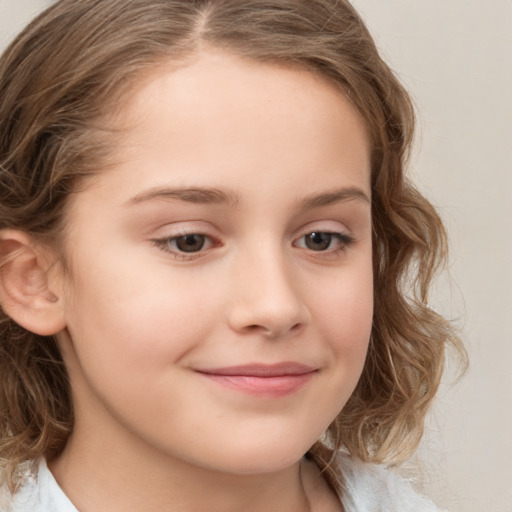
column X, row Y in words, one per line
column 270, row 381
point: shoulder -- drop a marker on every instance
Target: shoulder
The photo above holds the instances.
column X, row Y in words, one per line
column 39, row 492
column 12, row 502
column 376, row 488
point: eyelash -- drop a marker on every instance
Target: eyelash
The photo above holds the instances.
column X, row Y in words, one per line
column 165, row 244
column 344, row 242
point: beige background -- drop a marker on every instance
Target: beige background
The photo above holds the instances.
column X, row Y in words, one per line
column 456, row 58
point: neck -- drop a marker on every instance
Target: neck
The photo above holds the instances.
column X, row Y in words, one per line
column 103, row 478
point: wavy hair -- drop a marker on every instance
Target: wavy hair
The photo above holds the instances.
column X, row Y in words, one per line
column 70, row 68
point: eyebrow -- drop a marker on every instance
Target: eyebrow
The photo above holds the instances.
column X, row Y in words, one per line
column 200, row 195
column 196, row 195
column 335, row 196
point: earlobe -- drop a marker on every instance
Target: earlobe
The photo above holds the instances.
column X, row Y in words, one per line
column 26, row 290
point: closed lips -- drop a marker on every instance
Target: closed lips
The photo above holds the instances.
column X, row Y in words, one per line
column 261, row 370
column 267, row 381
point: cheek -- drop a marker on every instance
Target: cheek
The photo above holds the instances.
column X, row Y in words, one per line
column 346, row 309
column 136, row 320
column 346, row 314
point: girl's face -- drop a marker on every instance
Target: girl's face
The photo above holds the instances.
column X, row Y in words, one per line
column 219, row 301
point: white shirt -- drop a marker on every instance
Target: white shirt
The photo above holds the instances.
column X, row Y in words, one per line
column 369, row 488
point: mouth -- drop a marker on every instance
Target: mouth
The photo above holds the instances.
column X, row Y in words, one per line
column 271, row 381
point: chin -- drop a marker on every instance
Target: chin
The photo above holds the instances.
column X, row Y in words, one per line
column 252, row 458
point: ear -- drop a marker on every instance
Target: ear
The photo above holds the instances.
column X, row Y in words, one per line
column 29, row 291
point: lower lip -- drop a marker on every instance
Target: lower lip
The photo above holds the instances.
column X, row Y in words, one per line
column 271, row 387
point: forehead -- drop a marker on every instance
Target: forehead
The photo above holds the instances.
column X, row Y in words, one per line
column 220, row 97
column 222, row 121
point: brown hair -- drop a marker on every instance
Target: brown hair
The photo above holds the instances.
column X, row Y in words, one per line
column 61, row 76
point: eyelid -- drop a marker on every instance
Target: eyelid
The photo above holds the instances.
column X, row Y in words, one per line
column 184, row 228
column 334, row 228
column 345, row 239
column 165, row 246
column 327, row 226
column 169, row 234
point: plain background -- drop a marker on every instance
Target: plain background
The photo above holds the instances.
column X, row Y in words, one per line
column 455, row 57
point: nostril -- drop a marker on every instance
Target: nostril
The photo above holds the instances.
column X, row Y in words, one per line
column 296, row 327
column 274, row 317
column 273, row 332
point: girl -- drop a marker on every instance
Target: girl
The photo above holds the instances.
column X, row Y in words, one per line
column 213, row 272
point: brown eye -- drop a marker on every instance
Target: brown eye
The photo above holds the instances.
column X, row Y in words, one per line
column 318, row 241
column 190, row 243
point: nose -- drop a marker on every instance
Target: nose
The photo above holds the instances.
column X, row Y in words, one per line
column 266, row 299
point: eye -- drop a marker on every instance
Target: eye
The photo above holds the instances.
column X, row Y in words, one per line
column 191, row 243
column 319, row 241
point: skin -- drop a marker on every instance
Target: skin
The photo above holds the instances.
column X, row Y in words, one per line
column 287, row 155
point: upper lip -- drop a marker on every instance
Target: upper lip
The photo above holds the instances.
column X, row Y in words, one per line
column 261, row 370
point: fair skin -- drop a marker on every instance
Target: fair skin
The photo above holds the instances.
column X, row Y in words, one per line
column 218, row 305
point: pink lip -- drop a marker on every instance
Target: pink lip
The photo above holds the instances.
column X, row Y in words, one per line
column 271, row 381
